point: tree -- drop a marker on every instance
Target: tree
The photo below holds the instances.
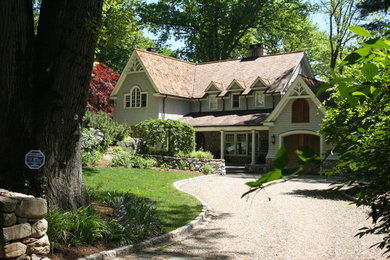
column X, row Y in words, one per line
column 102, row 83
column 120, row 34
column 44, row 91
column 359, row 128
column 342, row 14
column 213, row 30
column 376, row 10
column 294, row 31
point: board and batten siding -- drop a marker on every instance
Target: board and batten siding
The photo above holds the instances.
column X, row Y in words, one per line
column 133, row 116
column 283, row 125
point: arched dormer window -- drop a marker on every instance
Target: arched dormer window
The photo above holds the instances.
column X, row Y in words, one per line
column 136, row 98
column 300, row 111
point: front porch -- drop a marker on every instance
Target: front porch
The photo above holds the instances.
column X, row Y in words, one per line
column 235, row 145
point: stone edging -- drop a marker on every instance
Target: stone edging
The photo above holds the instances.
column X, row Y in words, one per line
column 181, row 231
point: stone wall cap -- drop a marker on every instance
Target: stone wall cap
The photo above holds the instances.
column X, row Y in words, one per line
column 14, row 195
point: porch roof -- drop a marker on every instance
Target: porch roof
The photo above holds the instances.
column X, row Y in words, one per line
column 227, row 118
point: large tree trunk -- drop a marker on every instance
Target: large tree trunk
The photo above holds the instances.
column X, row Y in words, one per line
column 16, row 55
column 59, row 70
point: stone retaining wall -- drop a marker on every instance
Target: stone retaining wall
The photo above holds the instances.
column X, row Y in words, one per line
column 196, row 164
column 23, row 227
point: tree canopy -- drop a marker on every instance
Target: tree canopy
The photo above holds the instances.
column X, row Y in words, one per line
column 120, row 33
column 217, row 29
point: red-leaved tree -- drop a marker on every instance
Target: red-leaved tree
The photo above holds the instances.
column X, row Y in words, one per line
column 102, row 83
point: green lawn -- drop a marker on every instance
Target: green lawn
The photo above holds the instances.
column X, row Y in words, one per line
column 175, row 208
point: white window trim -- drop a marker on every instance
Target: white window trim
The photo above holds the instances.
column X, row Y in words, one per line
column 210, row 102
column 239, row 100
column 140, row 96
column 124, row 100
column 259, row 93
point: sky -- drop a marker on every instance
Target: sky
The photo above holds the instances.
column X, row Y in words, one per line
column 318, row 18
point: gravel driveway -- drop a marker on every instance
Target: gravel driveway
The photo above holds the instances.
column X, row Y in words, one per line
column 292, row 220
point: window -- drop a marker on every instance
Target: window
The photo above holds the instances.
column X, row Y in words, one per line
column 127, row 100
column 213, row 103
column 136, row 98
column 144, row 98
column 300, row 111
column 235, row 100
column 236, row 144
column 229, row 144
column 241, row 146
column 259, row 99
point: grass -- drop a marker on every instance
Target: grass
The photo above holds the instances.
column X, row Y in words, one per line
column 174, row 208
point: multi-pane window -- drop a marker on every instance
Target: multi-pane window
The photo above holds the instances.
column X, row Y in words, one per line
column 236, row 144
column 135, row 99
column 229, row 144
column 259, row 99
column 235, row 100
column 241, row 144
column 213, row 102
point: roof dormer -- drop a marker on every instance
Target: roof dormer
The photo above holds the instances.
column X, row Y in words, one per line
column 236, row 86
column 260, row 84
column 214, row 87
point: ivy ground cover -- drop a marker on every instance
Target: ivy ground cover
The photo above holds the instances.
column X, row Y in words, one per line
column 174, row 208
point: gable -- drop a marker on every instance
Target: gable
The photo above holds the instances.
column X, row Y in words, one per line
column 236, row 85
column 214, row 87
column 134, row 65
column 259, row 83
column 298, row 89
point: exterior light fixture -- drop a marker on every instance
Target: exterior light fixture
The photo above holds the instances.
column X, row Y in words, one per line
column 273, row 139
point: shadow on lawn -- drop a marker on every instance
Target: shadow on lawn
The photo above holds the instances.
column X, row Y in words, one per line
column 88, row 171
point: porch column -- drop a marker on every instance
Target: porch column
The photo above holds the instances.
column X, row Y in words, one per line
column 253, row 147
column 222, row 144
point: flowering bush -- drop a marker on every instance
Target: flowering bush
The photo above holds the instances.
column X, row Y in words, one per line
column 138, row 215
column 102, row 83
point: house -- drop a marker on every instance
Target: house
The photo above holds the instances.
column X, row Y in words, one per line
column 242, row 110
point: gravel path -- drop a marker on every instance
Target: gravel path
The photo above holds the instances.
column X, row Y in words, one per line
column 292, row 220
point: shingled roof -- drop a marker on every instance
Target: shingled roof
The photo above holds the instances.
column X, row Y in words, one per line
column 189, row 80
column 227, row 118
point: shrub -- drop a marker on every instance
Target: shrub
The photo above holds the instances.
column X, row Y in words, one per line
column 91, row 157
column 113, row 131
column 77, row 227
column 207, row 169
column 196, row 154
column 134, row 219
column 172, row 135
column 90, row 148
column 121, row 157
column 140, row 162
column 89, row 141
column 182, row 165
column 138, row 215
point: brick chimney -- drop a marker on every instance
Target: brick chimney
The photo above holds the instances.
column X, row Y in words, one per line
column 257, row 50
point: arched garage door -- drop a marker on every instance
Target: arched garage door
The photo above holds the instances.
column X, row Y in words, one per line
column 292, row 142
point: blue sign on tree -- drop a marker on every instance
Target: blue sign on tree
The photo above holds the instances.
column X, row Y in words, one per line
column 34, row 159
